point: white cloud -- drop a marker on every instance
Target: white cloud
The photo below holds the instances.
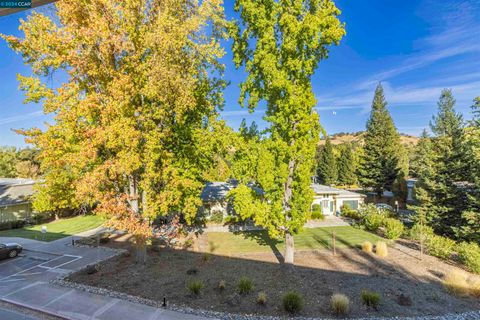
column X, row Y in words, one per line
column 22, row 117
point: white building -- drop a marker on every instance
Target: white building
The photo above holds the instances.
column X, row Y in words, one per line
column 332, row 199
column 214, row 197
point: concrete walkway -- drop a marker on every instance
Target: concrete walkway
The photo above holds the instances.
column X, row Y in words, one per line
column 25, row 281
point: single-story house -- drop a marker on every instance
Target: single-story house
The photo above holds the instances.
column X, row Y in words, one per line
column 15, row 197
column 214, row 197
column 332, row 199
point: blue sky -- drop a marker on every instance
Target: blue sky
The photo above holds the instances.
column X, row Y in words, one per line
column 414, row 47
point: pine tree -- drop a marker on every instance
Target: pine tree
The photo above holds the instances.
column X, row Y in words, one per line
column 346, row 165
column 424, row 169
column 327, row 164
column 380, row 160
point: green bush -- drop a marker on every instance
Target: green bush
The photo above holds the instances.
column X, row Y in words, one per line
column 440, row 247
column 317, row 212
column 417, row 230
column 17, row 224
column 370, row 299
column 373, row 221
column 393, row 228
column 244, row 285
column 216, row 217
column 292, row 302
column 469, row 254
column 346, row 211
column 195, row 286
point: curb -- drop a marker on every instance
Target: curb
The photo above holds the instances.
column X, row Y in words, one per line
column 38, row 309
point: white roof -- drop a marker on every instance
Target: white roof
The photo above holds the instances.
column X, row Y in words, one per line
column 322, row 189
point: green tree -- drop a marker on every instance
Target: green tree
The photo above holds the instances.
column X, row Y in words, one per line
column 380, row 162
column 327, row 164
column 142, row 91
column 280, row 43
column 8, row 162
column 347, row 165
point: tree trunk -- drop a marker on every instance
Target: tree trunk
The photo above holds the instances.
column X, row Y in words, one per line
column 133, row 193
column 141, row 250
column 289, row 249
column 287, row 195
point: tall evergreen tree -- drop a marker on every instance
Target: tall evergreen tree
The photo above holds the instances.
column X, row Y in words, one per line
column 379, row 168
column 346, row 165
column 450, row 169
column 327, row 164
column 423, row 168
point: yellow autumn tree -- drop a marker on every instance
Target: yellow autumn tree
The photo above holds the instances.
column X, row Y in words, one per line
column 143, row 84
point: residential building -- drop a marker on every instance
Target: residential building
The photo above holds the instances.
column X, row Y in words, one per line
column 15, row 197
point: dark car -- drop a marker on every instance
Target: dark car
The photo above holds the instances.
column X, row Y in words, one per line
column 9, row 250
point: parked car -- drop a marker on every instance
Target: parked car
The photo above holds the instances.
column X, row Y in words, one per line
column 9, row 250
column 384, row 206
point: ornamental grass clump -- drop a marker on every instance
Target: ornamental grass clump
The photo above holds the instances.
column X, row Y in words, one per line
column 195, row 287
column 245, row 285
column 370, row 299
column 222, row 285
column 292, row 302
column 340, row 304
column 262, row 298
column 367, row 246
column 381, row 249
column 455, row 282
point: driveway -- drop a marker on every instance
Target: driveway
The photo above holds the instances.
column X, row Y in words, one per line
column 24, row 281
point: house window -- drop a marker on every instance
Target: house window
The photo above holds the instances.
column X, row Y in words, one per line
column 325, row 204
column 353, row 204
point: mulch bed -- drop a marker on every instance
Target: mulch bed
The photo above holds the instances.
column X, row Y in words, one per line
column 409, row 285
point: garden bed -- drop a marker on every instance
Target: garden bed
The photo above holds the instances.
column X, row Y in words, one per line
column 409, row 285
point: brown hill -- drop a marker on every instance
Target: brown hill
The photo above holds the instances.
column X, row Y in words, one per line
column 357, row 137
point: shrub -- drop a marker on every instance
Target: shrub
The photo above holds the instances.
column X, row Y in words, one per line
column 339, row 304
column 393, row 228
column 417, row 230
column 216, row 216
column 381, row 249
column 222, row 285
column 292, row 302
column 367, row 246
column 469, row 254
column 244, row 285
column 262, row 298
column 373, row 221
column 346, row 211
column 195, row 286
column 12, row 224
column 455, row 282
column 317, row 212
column 440, row 247
column 370, row 299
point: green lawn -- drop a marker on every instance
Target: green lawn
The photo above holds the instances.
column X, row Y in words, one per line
column 56, row 229
column 309, row 239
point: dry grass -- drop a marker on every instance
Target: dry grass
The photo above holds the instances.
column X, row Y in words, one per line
column 367, row 246
column 455, row 282
column 262, row 298
column 340, row 304
column 381, row 249
column 475, row 286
